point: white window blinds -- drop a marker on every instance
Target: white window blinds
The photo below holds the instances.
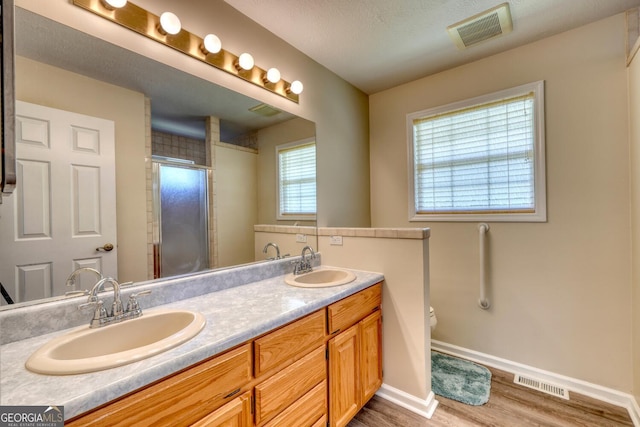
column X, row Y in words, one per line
column 477, row 159
column 297, row 180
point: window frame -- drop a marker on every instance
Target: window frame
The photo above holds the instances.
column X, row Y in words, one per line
column 540, row 197
column 286, row 147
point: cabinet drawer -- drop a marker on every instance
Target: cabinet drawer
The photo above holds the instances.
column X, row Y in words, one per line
column 235, row 413
column 322, row 422
column 181, row 399
column 350, row 310
column 306, row 411
column 288, row 385
column 289, row 343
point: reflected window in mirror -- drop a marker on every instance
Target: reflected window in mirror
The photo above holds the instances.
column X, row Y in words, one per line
column 296, row 166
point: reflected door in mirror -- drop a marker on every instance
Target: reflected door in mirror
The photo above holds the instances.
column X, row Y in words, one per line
column 64, row 206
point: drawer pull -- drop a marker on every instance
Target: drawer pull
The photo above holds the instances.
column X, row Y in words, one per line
column 335, row 332
column 236, row 391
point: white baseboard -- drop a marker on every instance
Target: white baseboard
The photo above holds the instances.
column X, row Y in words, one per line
column 634, row 411
column 422, row 407
column 605, row 394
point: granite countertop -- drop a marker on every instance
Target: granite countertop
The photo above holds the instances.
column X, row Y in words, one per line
column 233, row 316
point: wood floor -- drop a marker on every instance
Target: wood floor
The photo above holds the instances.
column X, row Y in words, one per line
column 509, row 405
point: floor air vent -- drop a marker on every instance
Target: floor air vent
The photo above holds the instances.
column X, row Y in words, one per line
column 542, row 386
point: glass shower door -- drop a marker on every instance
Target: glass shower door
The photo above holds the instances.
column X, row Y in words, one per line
column 181, row 219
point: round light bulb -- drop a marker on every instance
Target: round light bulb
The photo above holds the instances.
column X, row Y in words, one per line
column 297, row 87
column 245, row 61
column 273, row 75
column 212, row 43
column 170, row 23
column 114, row 4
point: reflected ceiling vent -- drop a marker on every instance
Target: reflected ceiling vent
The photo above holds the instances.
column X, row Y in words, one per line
column 264, row 110
column 483, row 26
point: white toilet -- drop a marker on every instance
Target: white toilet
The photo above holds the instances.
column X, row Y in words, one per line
column 433, row 321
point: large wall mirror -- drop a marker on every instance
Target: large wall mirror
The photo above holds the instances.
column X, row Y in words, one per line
column 165, row 125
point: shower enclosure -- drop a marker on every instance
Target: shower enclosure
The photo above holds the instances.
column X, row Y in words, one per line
column 181, row 212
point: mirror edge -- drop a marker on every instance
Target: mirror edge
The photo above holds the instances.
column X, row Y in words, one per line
column 8, row 161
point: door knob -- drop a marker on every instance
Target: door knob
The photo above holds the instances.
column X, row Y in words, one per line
column 107, row 248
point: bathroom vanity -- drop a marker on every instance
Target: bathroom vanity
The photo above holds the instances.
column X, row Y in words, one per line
column 270, row 354
column 290, row 376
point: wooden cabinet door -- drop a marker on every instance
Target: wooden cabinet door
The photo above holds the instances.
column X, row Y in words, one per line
column 344, row 381
column 370, row 330
column 236, row 413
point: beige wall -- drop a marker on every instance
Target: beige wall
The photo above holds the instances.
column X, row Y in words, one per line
column 560, row 291
column 338, row 109
column 236, row 196
column 268, row 139
column 285, row 238
column 405, row 294
column 53, row 87
column 634, row 138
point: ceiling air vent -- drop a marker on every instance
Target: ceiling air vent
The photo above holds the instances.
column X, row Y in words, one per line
column 264, row 110
column 483, row 26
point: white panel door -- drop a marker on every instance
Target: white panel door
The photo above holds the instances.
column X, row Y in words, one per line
column 64, row 206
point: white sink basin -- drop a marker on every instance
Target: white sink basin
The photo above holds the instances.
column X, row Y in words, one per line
column 87, row 350
column 322, row 277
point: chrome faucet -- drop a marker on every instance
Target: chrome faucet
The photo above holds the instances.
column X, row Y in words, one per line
column 266, row 247
column 117, row 314
column 116, row 307
column 304, row 265
column 71, row 280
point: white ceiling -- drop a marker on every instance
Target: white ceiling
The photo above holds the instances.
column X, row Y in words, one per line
column 379, row 44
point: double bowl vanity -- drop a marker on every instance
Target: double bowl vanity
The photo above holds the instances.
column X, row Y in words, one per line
column 267, row 352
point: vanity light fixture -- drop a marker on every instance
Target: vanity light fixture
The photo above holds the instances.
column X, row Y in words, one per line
column 114, row 4
column 208, row 49
column 245, row 62
column 170, row 23
column 295, row 87
column 272, row 76
column 211, row 44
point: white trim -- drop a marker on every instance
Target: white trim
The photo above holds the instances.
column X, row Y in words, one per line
column 634, row 412
column 540, row 187
column 595, row 391
column 423, row 407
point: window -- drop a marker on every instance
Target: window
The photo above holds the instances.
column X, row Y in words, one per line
column 296, row 166
column 481, row 159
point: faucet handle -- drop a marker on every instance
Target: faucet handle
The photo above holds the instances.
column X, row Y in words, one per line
column 86, row 305
column 132, row 304
column 99, row 313
column 82, row 292
column 140, row 294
